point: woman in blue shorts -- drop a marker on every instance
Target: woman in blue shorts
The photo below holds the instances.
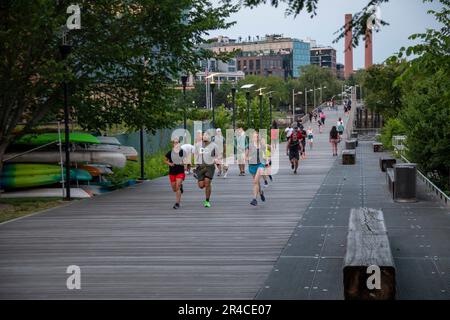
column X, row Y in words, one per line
column 255, row 154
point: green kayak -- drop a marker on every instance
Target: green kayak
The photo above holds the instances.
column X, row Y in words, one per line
column 44, row 138
column 28, row 181
column 29, row 169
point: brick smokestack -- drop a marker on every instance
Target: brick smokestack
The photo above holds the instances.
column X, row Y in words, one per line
column 348, row 68
column 369, row 49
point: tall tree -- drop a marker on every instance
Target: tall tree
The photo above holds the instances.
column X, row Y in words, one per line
column 124, row 59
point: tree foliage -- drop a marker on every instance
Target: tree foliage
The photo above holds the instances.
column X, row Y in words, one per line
column 123, row 63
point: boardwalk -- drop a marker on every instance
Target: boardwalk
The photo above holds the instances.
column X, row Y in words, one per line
column 132, row 244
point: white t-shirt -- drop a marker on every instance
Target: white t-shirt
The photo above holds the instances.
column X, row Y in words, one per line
column 288, row 132
column 188, row 148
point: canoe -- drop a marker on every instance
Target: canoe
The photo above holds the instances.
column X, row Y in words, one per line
column 109, row 140
column 114, row 159
column 11, row 182
column 44, row 138
column 129, row 152
column 26, row 169
column 96, row 169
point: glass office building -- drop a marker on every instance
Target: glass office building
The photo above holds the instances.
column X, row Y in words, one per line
column 301, row 56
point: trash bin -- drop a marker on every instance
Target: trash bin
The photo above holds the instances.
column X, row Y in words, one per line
column 405, row 176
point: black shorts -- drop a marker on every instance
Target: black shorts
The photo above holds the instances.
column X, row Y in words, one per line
column 294, row 154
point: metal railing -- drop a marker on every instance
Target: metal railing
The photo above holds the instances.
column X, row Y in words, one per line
column 430, row 185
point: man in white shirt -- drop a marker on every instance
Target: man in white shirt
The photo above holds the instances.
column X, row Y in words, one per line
column 188, row 151
column 288, row 132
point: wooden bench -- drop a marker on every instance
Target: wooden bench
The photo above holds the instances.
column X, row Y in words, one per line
column 350, row 144
column 387, row 162
column 377, row 147
column 368, row 245
column 348, row 157
column 390, row 179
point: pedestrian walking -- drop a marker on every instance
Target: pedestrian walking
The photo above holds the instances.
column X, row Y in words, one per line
column 334, row 140
column 340, row 127
column 241, row 147
column 310, row 134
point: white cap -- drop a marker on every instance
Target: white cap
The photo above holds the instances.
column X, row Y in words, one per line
column 218, row 130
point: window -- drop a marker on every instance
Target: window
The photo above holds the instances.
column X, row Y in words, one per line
column 251, row 65
column 258, row 64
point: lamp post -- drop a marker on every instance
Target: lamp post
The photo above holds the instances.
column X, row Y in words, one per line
column 233, row 98
column 270, row 105
column 321, row 88
column 65, row 49
column 293, row 103
column 306, row 99
column 183, row 82
column 247, row 95
column 141, row 145
column 212, row 86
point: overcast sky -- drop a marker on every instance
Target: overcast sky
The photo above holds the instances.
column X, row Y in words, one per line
column 405, row 17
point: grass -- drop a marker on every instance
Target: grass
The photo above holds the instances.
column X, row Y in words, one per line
column 154, row 167
column 18, row 207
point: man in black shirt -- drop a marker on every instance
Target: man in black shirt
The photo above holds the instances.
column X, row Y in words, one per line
column 174, row 159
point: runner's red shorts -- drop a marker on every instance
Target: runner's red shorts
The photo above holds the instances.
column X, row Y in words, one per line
column 174, row 177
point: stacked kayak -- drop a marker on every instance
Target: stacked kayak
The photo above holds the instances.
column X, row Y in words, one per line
column 34, row 175
column 92, row 159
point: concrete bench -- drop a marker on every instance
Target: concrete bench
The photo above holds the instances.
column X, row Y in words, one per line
column 387, row 162
column 405, row 179
column 377, row 147
column 350, row 144
column 348, row 157
column 368, row 251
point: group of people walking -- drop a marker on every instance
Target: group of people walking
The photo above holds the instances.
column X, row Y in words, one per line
column 209, row 156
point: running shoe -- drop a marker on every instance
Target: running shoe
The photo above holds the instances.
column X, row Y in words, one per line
column 207, row 204
column 292, row 166
column 254, row 202
column 271, row 179
column 295, row 172
column 266, row 183
column 263, row 198
column 225, row 175
column 176, row 206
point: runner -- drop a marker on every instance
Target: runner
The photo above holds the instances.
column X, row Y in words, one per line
column 288, row 132
column 221, row 163
column 188, row 151
column 310, row 114
column 293, row 149
column 241, row 147
column 310, row 134
column 256, row 163
column 176, row 170
column 315, row 116
column 205, row 156
column 303, row 140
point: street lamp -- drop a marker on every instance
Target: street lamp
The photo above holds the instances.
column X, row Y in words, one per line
column 293, row 103
column 233, row 95
column 183, row 82
column 270, row 105
column 306, row 99
column 247, row 95
column 321, row 88
column 212, row 85
column 65, row 49
column 260, row 106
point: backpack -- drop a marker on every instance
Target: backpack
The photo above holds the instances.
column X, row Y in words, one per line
column 340, row 127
